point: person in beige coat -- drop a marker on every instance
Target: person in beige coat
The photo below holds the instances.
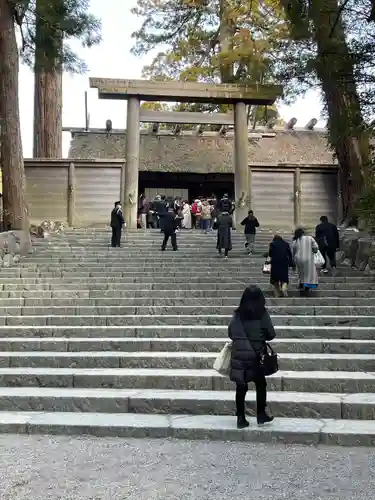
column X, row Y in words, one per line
column 206, row 217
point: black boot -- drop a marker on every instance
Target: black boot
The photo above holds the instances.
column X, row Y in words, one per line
column 242, row 423
column 264, row 418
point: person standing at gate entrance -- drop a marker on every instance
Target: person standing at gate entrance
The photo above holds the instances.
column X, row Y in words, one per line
column 328, row 239
column 206, row 217
column 225, row 205
column 169, row 222
column 224, row 233
column 144, row 209
column 251, row 223
column 117, row 221
column 160, row 207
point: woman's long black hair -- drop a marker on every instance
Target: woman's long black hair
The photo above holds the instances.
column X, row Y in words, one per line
column 252, row 304
column 298, row 233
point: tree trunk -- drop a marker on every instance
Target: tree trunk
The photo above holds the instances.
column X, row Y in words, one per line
column 47, row 113
column 15, row 213
column 47, row 92
column 346, row 125
column 225, row 39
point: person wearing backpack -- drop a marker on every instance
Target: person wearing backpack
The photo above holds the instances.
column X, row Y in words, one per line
column 250, row 224
column 225, row 205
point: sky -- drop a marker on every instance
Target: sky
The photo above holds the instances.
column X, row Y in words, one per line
column 112, row 59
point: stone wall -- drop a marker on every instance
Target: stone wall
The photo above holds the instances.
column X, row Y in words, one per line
column 13, row 246
column 357, row 249
column 205, row 154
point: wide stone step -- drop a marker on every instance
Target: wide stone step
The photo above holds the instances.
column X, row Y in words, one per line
column 173, row 274
column 61, row 288
column 182, row 379
column 178, row 360
column 212, row 427
column 149, row 300
column 184, row 344
column 156, row 282
column 188, row 284
column 179, row 345
column 321, row 296
column 122, row 332
column 193, row 310
column 139, row 258
column 149, row 268
column 283, row 404
column 178, row 319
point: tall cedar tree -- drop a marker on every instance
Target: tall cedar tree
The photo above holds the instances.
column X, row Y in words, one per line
column 69, row 19
column 210, row 40
column 318, row 26
column 15, row 213
column 57, row 21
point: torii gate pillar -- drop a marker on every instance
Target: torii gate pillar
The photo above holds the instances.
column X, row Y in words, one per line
column 242, row 173
column 132, row 163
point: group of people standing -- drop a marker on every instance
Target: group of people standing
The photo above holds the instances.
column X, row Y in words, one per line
column 301, row 256
column 201, row 214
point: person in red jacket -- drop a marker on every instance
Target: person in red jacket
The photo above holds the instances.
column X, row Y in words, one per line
column 196, row 213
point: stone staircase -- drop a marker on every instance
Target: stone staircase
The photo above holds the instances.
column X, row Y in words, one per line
column 121, row 342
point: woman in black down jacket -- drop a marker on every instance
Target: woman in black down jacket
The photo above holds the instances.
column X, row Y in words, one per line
column 249, row 329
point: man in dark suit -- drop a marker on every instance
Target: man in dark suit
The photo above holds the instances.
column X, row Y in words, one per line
column 169, row 221
column 117, row 221
column 328, row 239
column 160, row 206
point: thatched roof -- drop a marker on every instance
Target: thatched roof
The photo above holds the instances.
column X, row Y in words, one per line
column 209, row 153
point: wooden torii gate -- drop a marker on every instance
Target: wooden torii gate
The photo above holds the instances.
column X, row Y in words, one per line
column 135, row 91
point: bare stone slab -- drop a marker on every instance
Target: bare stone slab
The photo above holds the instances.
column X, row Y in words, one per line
column 359, row 406
column 100, row 424
column 15, row 422
column 349, row 432
column 224, row 428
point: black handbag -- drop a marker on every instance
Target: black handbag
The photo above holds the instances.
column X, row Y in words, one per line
column 269, row 363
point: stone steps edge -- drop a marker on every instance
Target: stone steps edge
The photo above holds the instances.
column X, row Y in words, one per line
column 296, row 431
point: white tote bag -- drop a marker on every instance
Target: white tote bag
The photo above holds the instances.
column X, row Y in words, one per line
column 318, row 259
column 222, row 362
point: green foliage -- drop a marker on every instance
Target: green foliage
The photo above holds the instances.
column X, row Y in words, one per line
column 333, row 46
column 48, row 26
column 199, row 39
column 348, row 53
column 211, row 41
column 366, row 207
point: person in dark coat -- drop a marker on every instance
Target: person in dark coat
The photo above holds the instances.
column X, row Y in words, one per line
column 281, row 261
column 117, row 221
column 250, row 224
column 328, row 239
column 224, row 229
column 250, row 328
column 225, row 205
column 169, row 222
column 161, row 207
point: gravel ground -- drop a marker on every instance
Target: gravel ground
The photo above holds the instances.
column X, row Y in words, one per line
column 43, row 468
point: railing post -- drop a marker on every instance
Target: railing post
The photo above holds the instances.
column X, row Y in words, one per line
column 71, row 194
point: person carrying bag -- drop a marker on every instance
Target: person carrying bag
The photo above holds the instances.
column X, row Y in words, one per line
column 252, row 359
